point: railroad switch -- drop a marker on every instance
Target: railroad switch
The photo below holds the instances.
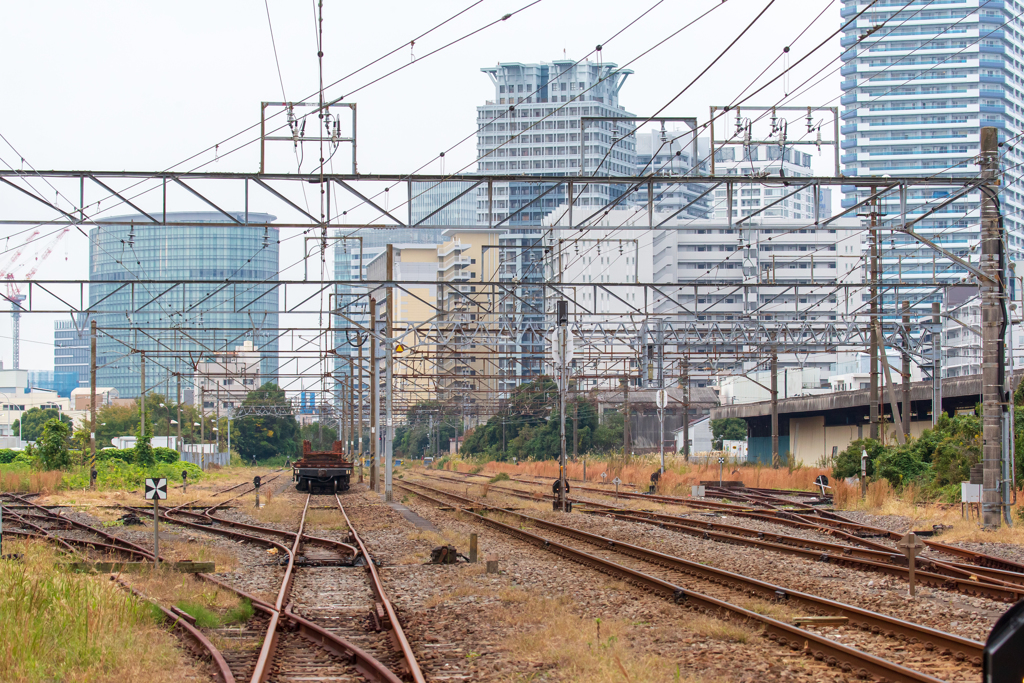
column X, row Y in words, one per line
column 379, row 618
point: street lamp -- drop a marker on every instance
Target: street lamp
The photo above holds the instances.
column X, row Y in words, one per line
column 172, row 422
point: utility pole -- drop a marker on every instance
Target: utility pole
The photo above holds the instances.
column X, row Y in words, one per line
column 686, row 411
column 142, row 400
column 389, row 433
column 875, row 276
column 180, row 447
column 625, row 423
column 359, row 432
column 776, row 461
column 563, row 382
column 373, row 395
column 993, row 334
column 92, row 404
column 905, row 371
column 936, row 362
column 576, row 422
column 351, row 409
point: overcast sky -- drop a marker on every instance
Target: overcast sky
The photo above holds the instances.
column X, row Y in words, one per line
column 112, row 85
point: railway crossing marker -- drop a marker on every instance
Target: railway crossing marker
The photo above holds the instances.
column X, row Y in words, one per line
column 156, row 490
column 911, row 546
column 721, row 463
column 615, row 481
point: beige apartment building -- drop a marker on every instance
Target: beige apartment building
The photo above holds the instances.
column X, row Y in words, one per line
column 414, row 269
column 468, row 314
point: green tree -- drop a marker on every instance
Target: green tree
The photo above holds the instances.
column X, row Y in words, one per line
column 144, row 454
column 113, row 421
column 320, row 437
column 728, row 429
column 265, row 436
column 32, row 422
column 53, row 448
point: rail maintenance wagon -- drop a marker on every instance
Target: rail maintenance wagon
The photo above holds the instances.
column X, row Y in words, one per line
column 322, row 471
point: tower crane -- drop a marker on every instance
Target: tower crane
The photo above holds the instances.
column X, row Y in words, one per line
column 14, row 294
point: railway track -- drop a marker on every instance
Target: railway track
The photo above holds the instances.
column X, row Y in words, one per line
column 930, row 654
column 331, row 621
column 986, row 576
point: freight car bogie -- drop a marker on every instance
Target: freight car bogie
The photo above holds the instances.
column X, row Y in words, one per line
column 321, row 480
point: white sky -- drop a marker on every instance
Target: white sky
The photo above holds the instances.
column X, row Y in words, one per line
column 117, row 84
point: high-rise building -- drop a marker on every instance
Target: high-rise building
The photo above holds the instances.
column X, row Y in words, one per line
column 172, row 322
column 71, row 351
column 917, row 90
column 467, row 363
column 679, row 153
column 761, row 160
column 532, row 126
column 447, row 203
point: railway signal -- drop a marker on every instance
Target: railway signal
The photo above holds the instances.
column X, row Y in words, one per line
column 156, row 490
column 615, row 481
column 256, row 485
column 184, row 481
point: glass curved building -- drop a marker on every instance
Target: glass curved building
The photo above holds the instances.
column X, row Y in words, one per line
column 173, row 323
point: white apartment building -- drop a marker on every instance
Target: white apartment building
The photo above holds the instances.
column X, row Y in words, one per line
column 812, row 267
column 532, row 126
column 673, row 152
column 758, row 160
column 223, row 380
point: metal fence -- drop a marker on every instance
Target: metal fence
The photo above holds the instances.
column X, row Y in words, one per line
column 204, row 460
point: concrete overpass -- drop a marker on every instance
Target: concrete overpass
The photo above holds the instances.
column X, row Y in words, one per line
column 812, row 427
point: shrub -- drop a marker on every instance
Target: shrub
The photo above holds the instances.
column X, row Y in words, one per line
column 847, row 463
column 114, row 473
column 7, row 456
column 500, row 476
column 166, row 454
column 53, row 450
column 900, row 465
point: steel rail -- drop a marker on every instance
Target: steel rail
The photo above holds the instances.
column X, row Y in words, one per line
column 262, row 668
column 821, row 648
column 826, row 522
column 960, row 647
column 396, row 631
column 191, row 632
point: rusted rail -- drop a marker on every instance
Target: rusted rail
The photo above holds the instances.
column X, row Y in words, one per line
column 396, row 631
column 820, row 647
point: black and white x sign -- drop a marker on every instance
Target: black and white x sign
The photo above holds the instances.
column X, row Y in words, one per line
column 156, row 488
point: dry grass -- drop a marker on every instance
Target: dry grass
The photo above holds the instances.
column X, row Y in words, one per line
column 883, row 500
column 30, row 482
column 223, row 559
column 678, row 477
column 170, row 587
column 61, row 626
column 274, row 510
column 548, row 632
column 325, row 520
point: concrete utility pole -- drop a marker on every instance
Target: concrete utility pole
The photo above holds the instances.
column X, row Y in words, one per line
column 563, row 383
column 180, row 447
column 936, row 362
column 359, row 432
column 686, row 411
column 389, row 433
column 92, row 404
column 993, row 333
column 626, row 441
column 142, row 400
column 776, row 461
column 906, row 408
column 351, row 409
column 875, row 277
column 373, row 395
